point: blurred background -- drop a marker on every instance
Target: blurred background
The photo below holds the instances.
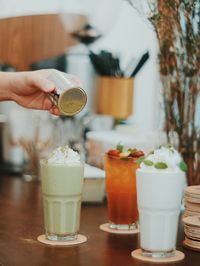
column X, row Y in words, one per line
column 92, row 39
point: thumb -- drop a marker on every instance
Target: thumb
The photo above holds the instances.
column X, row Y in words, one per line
column 44, row 84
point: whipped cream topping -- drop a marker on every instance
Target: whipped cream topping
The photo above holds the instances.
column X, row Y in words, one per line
column 64, row 155
column 164, row 155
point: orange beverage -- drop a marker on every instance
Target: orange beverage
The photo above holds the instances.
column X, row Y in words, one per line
column 121, row 191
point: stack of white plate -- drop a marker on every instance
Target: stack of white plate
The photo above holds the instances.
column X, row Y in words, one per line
column 192, row 232
column 192, row 201
column 94, row 184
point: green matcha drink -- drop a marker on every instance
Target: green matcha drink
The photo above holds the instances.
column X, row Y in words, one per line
column 62, row 183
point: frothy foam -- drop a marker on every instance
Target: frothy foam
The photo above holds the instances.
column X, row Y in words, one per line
column 168, row 156
column 64, row 155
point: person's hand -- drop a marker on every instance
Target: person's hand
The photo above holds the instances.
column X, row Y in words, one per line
column 30, row 90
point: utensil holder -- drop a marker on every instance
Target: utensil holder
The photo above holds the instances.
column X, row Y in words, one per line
column 114, row 96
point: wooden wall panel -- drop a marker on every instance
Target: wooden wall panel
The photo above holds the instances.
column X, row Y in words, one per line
column 28, row 39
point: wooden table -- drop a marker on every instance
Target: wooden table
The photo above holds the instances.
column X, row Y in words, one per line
column 21, row 222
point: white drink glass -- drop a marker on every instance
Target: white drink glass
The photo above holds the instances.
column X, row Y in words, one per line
column 62, row 186
column 159, row 195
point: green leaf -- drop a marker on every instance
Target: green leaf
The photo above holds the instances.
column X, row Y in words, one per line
column 161, row 165
column 183, row 166
column 148, row 162
column 151, row 152
column 120, row 147
column 140, row 160
column 169, row 146
column 132, row 150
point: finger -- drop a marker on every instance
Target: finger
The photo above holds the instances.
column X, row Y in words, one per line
column 42, row 83
column 55, row 111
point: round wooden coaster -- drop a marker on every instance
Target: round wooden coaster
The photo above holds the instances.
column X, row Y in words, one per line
column 193, row 207
column 80, row 239
column 190, row 245
column 105, row 228
column 191, row 213
column 192, row 229
column 192, row 236
column 192, row 190
column 192, row 199
column 137, row 254
column 192, row 220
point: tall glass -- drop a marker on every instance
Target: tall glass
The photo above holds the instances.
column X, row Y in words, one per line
column 121, row 192
column 62, row 186
column 159, row 201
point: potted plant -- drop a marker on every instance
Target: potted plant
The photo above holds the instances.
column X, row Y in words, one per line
column 177, row 26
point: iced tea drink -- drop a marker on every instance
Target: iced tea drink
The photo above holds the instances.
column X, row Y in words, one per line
column 121, row 190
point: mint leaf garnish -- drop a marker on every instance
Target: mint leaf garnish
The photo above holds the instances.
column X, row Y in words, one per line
column 148, row 162
column 169, row 146
column 140, row 160
column 160, row 165
column 120, row 147
column 132, row 150
column 151, row 152
column 183, row 166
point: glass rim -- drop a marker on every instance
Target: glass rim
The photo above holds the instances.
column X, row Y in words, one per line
column 126, row 159
column 160, row 172
column 67, row 91
column 43, row 161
